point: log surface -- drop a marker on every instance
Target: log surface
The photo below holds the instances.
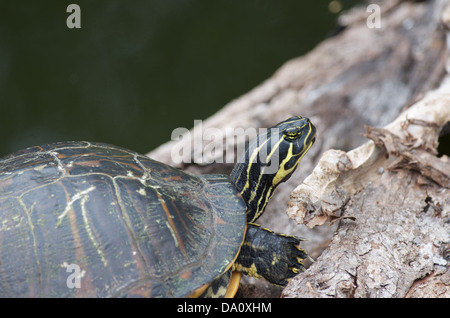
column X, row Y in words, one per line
column 371, row 196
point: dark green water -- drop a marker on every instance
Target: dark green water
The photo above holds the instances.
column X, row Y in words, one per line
column 138, row 69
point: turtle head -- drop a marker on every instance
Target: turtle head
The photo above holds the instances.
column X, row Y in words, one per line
column 270, row 159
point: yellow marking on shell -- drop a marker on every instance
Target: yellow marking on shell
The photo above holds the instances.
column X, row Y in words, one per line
column 89, row 231
column 141, row 191
column 174, row 237
column 77, row 196
column 171, row 226
column 33, row 235
column 83, row 197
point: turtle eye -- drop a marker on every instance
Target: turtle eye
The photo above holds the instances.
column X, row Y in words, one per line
column 292, row 133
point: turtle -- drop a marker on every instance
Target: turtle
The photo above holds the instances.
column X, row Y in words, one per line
column 89, row 219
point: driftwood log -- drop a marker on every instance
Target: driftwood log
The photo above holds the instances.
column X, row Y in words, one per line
column 372, row 196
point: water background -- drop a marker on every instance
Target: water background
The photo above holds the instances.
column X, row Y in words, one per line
column 138, row 69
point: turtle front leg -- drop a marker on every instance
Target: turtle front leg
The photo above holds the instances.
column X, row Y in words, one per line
column 275, row 257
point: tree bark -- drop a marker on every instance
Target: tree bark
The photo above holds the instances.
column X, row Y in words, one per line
column 392, row 197
column 375, row 212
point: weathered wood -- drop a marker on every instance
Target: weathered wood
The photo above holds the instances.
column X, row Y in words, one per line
column 390, row 245
column 397, row 193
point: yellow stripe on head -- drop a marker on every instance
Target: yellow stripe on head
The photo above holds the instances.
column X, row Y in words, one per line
column 256, row 176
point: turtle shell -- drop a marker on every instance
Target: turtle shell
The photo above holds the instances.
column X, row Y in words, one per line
column 81, row 219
